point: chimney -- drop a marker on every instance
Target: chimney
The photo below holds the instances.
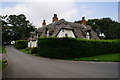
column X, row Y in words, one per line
column 44, row 23
column 83, row 21
column 55, row 18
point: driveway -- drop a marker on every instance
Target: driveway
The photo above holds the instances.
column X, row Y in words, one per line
column 23, row 65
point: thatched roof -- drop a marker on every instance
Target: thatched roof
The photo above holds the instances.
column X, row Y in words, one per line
column 78, row 29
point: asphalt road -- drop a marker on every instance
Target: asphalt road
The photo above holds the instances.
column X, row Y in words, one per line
column 22, row 65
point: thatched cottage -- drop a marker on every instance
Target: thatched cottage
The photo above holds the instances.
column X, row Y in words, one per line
column 62, row 28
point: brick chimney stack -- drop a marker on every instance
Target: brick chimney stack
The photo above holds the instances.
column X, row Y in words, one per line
column 44, row 23
column 55, row 18
column 83, row 21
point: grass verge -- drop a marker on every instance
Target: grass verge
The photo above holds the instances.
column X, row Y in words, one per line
column 2, row 50
column 2, row 64
column 105, row 57
column 102, row 58
column 25, row 51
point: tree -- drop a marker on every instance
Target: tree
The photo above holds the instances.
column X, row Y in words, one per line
column 5, row 30
column 107, row 26
column 16, row 27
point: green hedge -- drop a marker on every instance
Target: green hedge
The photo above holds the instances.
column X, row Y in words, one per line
column 75, row 48
column 21, row 44
column 34, row 50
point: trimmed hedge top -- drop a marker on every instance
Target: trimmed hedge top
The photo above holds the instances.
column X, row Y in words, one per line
column 21, row 44
column 65, row 48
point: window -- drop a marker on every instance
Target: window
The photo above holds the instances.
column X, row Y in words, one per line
column 66, row 35
column 62, row 30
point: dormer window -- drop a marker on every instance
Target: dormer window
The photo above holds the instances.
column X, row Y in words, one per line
column 62, row 30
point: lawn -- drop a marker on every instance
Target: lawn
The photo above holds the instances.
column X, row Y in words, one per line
column 2, row 64
column 105, row 57
column 25, row 51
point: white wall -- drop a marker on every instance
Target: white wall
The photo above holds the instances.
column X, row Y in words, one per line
column 32, row 44
column 65, row 31
column 88, row 35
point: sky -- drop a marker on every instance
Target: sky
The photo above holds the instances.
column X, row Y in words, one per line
column 71, row 10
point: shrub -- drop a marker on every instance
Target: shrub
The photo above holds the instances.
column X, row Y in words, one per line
column 21, row 44
column 28, row 49
column 75, row 48
column 34, row 50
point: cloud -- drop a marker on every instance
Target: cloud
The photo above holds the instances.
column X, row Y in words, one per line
column 87, row 11
column 116, row 17
column 36, row 12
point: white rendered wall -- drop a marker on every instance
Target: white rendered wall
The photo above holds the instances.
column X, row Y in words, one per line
column 65, row 31
column 32, row 44
column 88, row 35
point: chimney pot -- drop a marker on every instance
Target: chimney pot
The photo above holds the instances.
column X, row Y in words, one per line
column 44, row 23
column 83, row 18
column 83, row 21
column 55, row 15
column 55, row 18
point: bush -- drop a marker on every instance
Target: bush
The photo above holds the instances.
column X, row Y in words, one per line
column 75, row 48
column 28, row 49
column 21, row 44
column 34, row 50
